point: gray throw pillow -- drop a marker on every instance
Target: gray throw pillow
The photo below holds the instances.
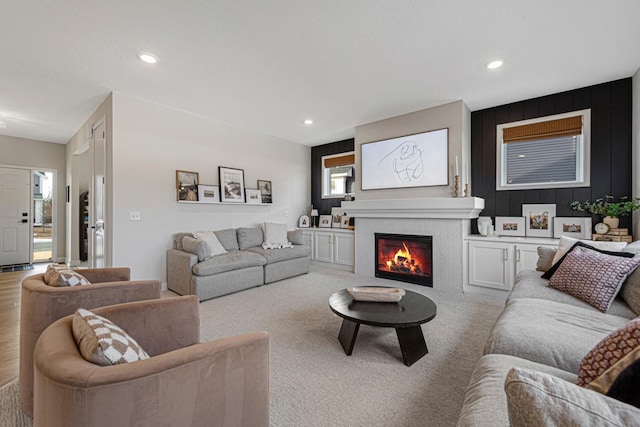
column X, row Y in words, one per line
column 249, row 237
column 295, row 237
column 228, row 239
column 545, row 258
column 197, row 247
column 538, row 399
column 630, row 291
column 177, row 240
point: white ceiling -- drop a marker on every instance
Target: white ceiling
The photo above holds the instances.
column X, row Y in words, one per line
column 268, row 65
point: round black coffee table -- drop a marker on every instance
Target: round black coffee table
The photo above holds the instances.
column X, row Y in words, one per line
column 405, row 316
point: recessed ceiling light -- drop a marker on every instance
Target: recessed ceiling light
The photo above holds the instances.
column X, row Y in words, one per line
column 494, row 64
column 521, row 155
column 308, row 122
column 2, row 125
column 147, row 57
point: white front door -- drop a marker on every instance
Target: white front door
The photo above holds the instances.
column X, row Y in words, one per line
column 15, row 216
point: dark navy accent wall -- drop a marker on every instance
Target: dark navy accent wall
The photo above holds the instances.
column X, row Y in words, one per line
column 324, row 205
column 611, row 122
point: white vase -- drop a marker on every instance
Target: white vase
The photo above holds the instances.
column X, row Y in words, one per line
column 484, row 223
column 611, row 221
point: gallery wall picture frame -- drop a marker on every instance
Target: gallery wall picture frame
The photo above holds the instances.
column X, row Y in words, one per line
column 253, row 196
column 345, row 221
column 208, row 193
column 265, row 189
column 304, row 222
column 231, row 184
column 510, row 226
column 335, row 221
column 574, row 226
column 187, row 186
column 539, row 219
column 325, row 221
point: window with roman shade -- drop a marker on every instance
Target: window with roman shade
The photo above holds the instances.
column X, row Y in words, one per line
column 548, row 152
column 338, row 176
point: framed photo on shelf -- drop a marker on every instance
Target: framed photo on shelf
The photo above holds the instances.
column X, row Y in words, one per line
column 539, row 220
column 510, row 226
column 265, row 190
column 325, row 221
column 304, row 222
column 186, row 186
column 253, row 196
column 231, row 184
column 577, row 227
column 335, row 221
column 208, row 193
column 345, row 220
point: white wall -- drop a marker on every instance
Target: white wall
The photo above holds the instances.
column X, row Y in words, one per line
column 455, row 116
column 152, row 141
column 29, row 153
column 635, row 144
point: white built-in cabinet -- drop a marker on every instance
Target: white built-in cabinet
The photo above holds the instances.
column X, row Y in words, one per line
column 331, row 247
column 494, row 262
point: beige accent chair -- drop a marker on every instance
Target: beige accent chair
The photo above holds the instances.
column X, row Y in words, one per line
column 184, row 383
column 41, row 305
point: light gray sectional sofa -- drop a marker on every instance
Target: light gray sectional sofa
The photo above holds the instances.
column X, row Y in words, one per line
column 245, row 265
column 547, row 333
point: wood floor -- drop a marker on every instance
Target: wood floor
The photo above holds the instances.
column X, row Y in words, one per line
column 10, row 321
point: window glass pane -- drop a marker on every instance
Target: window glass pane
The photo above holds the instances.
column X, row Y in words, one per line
column 542, row 161
column 338, row 181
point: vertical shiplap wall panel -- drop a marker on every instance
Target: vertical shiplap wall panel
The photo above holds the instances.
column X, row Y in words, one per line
column 324, row 205
column 611, row 119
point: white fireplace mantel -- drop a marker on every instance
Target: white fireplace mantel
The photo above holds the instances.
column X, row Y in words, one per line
column 446, row 219
column 430, row 207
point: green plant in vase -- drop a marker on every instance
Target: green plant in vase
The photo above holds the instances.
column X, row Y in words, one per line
column 610, row 211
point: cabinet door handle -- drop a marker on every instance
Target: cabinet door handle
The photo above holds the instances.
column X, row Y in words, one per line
column 518, row 258
column 506, row 254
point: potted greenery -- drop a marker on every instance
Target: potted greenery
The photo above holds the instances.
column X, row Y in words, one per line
column 610, row 210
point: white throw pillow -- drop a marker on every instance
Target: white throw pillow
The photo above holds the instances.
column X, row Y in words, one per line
column 567, row 242
column 275, row 236
column 215, row 247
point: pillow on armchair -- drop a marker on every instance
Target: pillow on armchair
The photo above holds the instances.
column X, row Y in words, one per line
column 102, row 342
column 59, row 276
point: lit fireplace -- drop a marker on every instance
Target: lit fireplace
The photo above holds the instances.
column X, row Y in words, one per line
column 403, row 257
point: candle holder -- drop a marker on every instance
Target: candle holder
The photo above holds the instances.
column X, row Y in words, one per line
column 456, row 186
column 467, row 190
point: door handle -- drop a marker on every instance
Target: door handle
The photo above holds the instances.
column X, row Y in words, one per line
column 24, row 221
column 506, row 254
column 518, row 255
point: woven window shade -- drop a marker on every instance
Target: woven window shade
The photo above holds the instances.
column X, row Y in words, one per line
column 569, row 126
column 346, row 160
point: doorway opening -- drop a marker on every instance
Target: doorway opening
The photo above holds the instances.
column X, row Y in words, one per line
column 42, row 216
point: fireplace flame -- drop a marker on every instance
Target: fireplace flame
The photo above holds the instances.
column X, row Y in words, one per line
column 403, row 262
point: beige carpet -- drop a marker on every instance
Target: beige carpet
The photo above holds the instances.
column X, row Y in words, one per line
column 313, row 383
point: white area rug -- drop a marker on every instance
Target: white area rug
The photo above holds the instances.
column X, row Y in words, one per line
column 313, row 382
